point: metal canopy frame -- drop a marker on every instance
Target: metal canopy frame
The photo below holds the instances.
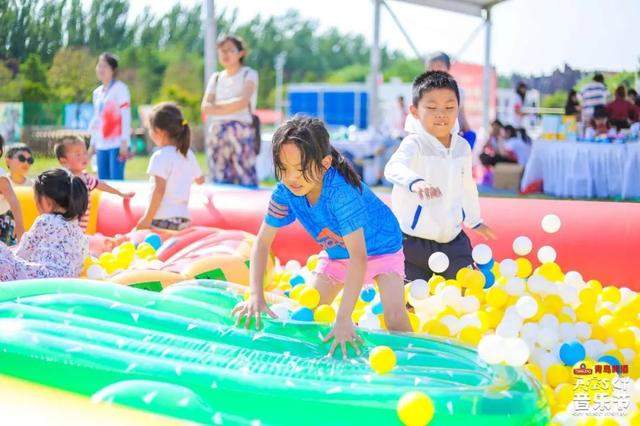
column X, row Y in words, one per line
column 478, row 8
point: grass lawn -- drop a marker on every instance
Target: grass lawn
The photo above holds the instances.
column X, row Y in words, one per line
column 136, row 168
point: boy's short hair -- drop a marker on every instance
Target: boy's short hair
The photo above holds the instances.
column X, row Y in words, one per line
column 440, row 57
column 431, row 80
column 16, row 148
column 60, row 149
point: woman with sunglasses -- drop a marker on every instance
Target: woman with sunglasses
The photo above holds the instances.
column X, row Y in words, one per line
column 11, row 225
column 19, row 161
column 229, row 102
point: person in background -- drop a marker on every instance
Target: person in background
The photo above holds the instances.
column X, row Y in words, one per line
column 517, row 115
column 592, row 95
column 229, row 101
column 19, row 161
column 111, row 123
column 11, row 225
column 599, row 124
column 440, row 61
column 502, row 153
column 633, row 97
column 620, row 111
column 572, row 107
column 496, row 137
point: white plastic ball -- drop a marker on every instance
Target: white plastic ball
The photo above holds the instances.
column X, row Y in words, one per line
column 522, row 246
column 551, row 223
column 369, row 321
column 452, row 323
column 508, row 268
column 530, row 331
column 516, row 352
column 548, row 337
column 629, row 354
column 490, row 349
column 438, row 262
column 96, row 272
column 583, row 330
column 419, row 289
column 470, row 304
column 450, row 295
column 594, row 348
column 568, row 332
column 293, row 266
column 515, row 286
column 547, row 254
column 573, row 278
column 482, row 254
column 527, row 307
column 507, row 329
column 281, row 310
column 549, row 321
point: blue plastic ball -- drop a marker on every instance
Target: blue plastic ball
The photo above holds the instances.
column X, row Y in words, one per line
column 153, row 240
column 571, row 353
column 487, row 266
column 367, row 294
column 297, row 280
column 302, row 314
column 611, row 360
column 490, row 278
column 377, row 308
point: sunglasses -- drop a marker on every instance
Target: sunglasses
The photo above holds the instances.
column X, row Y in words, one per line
column 21, row 158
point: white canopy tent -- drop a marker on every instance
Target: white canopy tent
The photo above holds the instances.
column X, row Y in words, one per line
column 479, row 8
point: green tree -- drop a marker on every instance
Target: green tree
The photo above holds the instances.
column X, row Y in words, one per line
column 76, row 27
column 555, row 100
column 72, row 76
column 350, row 73
column 35, row 87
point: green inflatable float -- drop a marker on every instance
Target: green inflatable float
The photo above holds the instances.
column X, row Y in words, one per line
column 177, row 353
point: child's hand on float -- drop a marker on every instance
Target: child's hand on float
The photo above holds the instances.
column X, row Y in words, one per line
column 343, row 332
column 252, row 309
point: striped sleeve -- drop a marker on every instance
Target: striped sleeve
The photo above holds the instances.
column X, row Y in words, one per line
column 279, row 213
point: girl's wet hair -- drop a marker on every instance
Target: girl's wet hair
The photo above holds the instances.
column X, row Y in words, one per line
column 168, row 117
column 67, row 191
column 312, row 139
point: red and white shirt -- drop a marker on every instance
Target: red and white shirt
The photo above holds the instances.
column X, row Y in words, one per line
column 111, row 122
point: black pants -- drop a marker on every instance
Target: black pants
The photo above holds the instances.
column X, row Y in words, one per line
column 417, row 252
column 488, row 160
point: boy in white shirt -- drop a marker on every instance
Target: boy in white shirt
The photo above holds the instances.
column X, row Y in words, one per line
column 433, row 190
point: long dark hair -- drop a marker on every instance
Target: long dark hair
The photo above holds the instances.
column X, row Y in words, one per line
column 67, row 191
column 312, row 139
column 168, row 117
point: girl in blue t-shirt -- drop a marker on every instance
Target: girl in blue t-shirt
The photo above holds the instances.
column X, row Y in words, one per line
column 360, row 235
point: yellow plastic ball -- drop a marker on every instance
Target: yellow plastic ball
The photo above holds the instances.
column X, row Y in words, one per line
column 524, row 267
column 383, row 323
column 553, row 303
column 586, row 312
column 557, row 374
column 485, row 320
column 609, row 322
column 634, row 368
column 551, row 271
column 495, row 270
column 496, row 297
column 309, row 297
column 599, row 332
column 461, row 274
column 436, row 328
column 470, row 335
column 415, row 409
column 564, row 394
column 356, row 314
column 542, row 310
column 295, row 292
column 624, row 338
column 479, row 294
column 312, row 262
column 535, row 370
column 474, row 280
column 454, row 283
column 494, row 315
column 382, row 359
column 435, row 280
column 324, row 314
column 595, row 284
column 106, row 257
column 88, row 261
column 611, row 294
column 414, row 321
column 588, row 295
column 127, row 247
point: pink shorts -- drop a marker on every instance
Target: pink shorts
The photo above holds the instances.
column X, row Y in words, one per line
column 336, row 269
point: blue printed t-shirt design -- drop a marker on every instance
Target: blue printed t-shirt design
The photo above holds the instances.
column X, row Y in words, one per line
column 340, row 210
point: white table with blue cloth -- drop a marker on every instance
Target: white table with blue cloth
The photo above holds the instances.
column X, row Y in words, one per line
column 585, row 169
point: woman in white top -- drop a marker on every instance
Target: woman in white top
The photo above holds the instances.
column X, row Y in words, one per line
column 229, row 99
column 111, row 123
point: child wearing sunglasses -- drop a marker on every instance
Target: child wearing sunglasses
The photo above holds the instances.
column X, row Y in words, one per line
column 11, row 226
column 19, row 161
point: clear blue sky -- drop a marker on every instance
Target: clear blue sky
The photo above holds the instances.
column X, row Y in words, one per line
column 529, row 36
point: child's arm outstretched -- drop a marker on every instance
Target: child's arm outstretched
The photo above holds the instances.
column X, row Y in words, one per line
column 6, row 190
column 105, row 187
column 398, row 172
column 343, row 330
column 253, row 308
column 159, row 188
